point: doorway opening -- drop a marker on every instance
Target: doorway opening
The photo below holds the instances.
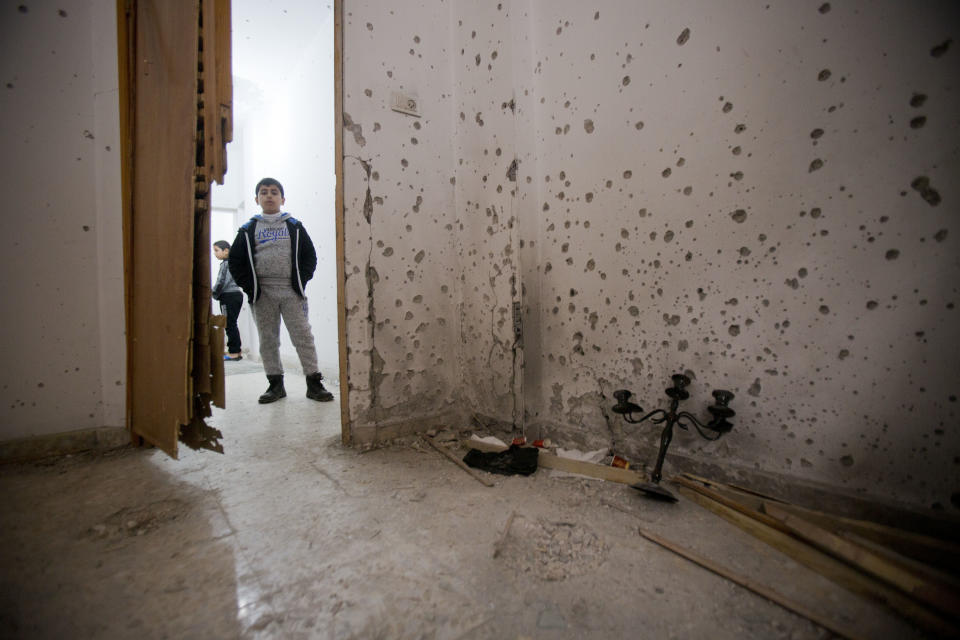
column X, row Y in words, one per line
column 283, row 117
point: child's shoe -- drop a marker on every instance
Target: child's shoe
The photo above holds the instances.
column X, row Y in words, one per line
column 275, row 391
column 315, row 390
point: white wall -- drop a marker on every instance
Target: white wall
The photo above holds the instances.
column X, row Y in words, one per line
column 827, row 306
column 283, row 117
column 830, row 309
column 402, row 265
column 62, row 266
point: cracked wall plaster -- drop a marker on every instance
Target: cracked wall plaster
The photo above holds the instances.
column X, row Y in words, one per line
column 760, row 196
column 400, row 253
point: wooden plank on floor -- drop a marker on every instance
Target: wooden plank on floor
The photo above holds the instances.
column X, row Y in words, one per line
column 933, row 551
column 863, row 559
column 460, row 463
column 745, row 507
column 932, row 574
column 923, row 548
column 829, row 567
column 756, row 587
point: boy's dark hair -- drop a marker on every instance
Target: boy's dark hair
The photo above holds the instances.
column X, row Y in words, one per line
column 223, row 245
column 269, row 182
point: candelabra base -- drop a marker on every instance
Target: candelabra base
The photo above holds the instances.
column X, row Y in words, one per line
column 654, row 491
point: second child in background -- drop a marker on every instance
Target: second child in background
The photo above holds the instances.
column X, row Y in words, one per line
column 230, row 296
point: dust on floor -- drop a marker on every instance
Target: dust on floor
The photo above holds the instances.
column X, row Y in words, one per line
column 290, row 535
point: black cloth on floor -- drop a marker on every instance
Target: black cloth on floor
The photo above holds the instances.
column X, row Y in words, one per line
column 515, row 460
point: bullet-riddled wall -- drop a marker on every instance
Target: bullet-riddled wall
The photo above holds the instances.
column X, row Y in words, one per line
column 63, row 345
column 402, row 266
column 757, row 194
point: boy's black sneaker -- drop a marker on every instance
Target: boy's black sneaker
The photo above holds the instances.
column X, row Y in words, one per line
column 315, row 390
column 275, row 391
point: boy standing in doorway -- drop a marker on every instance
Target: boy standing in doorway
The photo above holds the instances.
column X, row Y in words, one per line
column 230, row 297
column 272, row 260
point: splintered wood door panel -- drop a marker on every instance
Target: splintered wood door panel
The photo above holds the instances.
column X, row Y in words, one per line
column 224, row 73
column 213, row 168
column 162, row 217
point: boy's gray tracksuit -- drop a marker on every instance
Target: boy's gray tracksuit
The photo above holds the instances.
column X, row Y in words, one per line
column 274, row 260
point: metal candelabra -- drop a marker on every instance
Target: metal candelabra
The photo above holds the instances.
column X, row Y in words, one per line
column 719, row 425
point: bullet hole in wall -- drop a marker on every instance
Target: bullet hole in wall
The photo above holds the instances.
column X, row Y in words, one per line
column 938, row 50
column 927, row 192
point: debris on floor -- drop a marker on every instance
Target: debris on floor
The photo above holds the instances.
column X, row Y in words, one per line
column 457, row 461
column 765, row 591
column 551, row 551
column 594, row 457
column 550, row 460
column 128, row 521
column 883, row 563
column 512, row 461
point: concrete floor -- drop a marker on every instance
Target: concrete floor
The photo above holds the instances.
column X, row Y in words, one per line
column 290, row 535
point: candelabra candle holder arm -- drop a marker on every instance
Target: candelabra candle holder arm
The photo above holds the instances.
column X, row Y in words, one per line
column 683, row 415
column 656, row 416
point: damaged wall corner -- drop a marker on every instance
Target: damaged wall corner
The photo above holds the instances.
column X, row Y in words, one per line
column 724, row 191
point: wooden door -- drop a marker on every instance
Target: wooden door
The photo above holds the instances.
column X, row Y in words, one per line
column 176, row 98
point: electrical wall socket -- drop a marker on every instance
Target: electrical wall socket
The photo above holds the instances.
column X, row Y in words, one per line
column 405, row 103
